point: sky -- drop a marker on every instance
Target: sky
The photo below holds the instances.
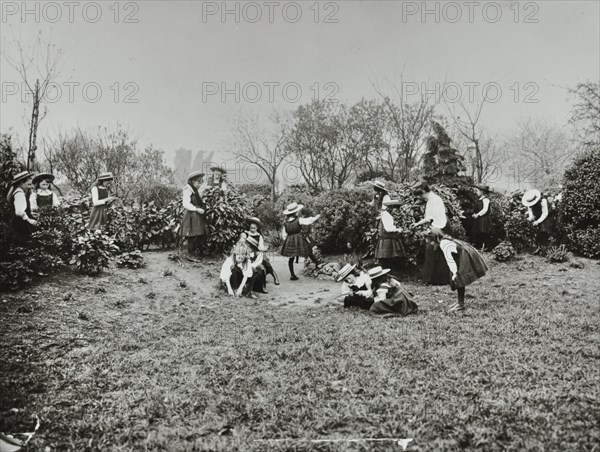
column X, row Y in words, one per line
column 177, row 72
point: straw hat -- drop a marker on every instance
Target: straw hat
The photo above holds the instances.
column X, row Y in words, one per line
column 531, row 197
column 376, row 272
column 345, row 271
column 105, row 176
column 20, row 177
column 43, row 176
column 194, row 175
column 293, row 208
column 254, row 220
column 252, row 241
column 392, row 203
column 378, row 184
column 484, row 188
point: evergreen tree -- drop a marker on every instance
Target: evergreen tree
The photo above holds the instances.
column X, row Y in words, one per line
column 442, row 164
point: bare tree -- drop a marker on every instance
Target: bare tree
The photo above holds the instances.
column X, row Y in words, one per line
column 266, row 149
column 410, row 125
column 586, row 112
column 468, row 124
column 38, row 68
column 541, row 151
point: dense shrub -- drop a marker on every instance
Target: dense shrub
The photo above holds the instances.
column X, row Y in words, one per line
column 131, row 260
column 518, row 230
column 558, row 254
column 581, row 201
column 21, row 265
column 504, row 251
column 345, row 218
column 92, row 252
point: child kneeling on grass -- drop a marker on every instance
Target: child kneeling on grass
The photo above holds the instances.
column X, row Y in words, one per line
column 465, row 263
column 237, row 272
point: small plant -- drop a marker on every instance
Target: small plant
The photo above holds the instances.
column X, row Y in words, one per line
column 92, row 251
column 558, row 254
column 504, row 252
column 132, row 260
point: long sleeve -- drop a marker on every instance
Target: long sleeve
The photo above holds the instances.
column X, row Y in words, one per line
column 33, row 201
column 283, row 233
column 486, row 207
column 55, row 200
column 448, row 247
column 95, row 198
column 20, row 204
column 305, row 221
column 435, row 211
column 187, row 200
column 261, row 243
column 530, row 215
column 388, row 222
column 258, row 261
column 226, row 269
column 544, row 211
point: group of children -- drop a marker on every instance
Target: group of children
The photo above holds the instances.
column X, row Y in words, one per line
column 447, row 260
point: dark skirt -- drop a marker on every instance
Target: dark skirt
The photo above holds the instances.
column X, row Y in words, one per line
column 471, row 266
column 22, row 229
column 400, row 304
column 295, row 245
column 435, row 269
column 193, row 224
column 260, row 279
column 236, row 279
column 98, row 217
column 389, row 248
column 547, row 225
column 358, row 301
column 482, row 225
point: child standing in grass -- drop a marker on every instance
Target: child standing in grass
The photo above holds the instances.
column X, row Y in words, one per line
column 294, row 243
column 465, row 263
column 193, row 224
column 100, row 201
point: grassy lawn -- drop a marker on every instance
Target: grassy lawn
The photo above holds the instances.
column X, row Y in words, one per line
column 154, row 360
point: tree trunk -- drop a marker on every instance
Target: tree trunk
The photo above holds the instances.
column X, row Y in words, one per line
column 35, row 113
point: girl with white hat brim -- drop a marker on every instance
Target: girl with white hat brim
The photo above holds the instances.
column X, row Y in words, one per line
column 538, row 213
column 101, row 199
column 22, row 222
column 193, row 223
column 294, row 243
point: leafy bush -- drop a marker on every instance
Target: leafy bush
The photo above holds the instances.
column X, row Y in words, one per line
column 92, row 252
column 132, row 260
column 585, row 241
column 581, row 201
column 21, row 265
column 345, row 217
column 558, row 254
column 504, row 251
column 226, row 214
column 518, row 230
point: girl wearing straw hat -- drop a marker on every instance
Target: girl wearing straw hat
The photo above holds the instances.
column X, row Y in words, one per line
column 482, row 223
column 538, row 212
column 391, row 299
column 253, row 231
column 21, row 220
column 356, row 286
column 100, row 201
column 389, row 245
column 217, row 178
column 294, row 243
column 42, row 196
column 465, row 265
column 193, row 224
column 380, row 195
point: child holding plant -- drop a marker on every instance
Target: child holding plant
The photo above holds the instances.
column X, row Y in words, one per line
column 465, row 263
column 100, row 201
column 21, row 220
column 237, row 272
column 294, row 243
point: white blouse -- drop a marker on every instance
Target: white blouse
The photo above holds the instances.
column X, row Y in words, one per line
column 228, row 265
column 187, row 199
column 95, row 199
column 486, row 206
column 20, row 204
column 34, row 195
column 388, row 222
column 544, row 212
column 436, row 211
column 304, row 221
